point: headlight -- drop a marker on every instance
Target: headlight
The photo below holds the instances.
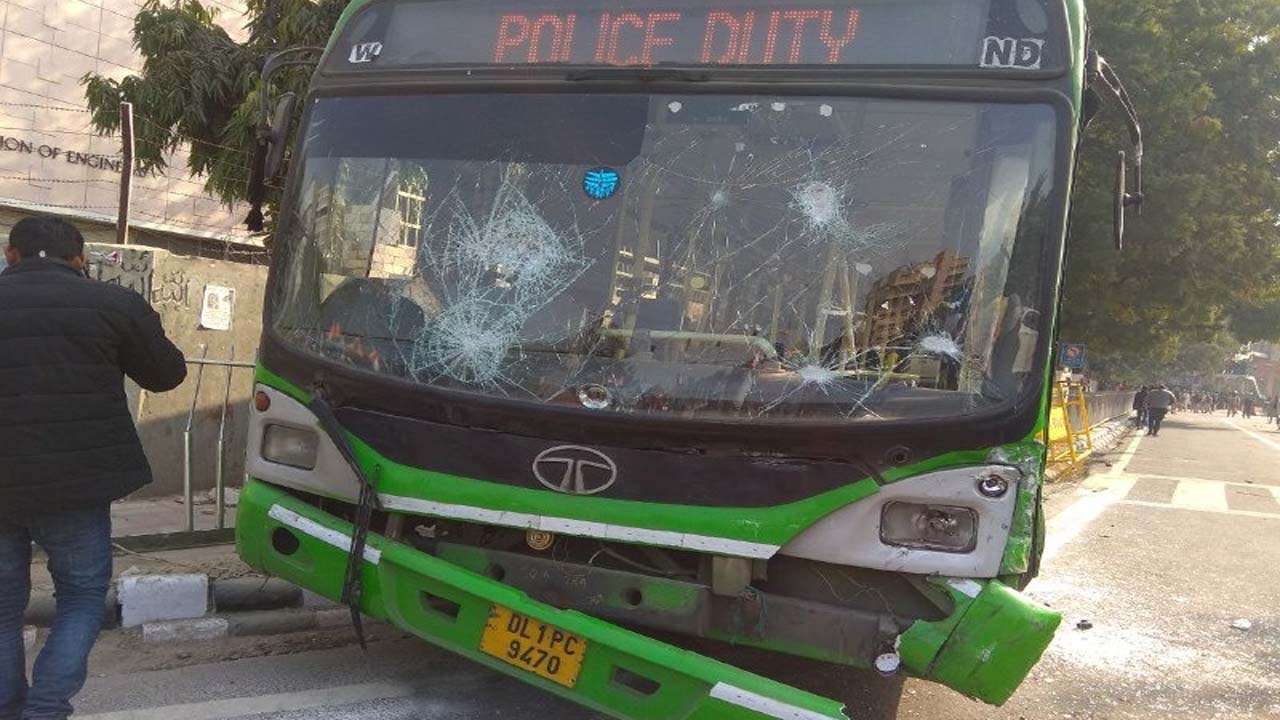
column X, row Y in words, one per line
column 290, row 446
column 931, row 527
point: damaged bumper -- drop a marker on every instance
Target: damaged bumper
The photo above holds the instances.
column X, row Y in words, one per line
column 452, row 607
column 984, row 648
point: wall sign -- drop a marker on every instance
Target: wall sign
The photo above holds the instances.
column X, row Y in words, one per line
column 216, row 310
column 96, row 161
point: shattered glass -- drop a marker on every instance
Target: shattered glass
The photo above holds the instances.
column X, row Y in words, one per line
column 761, row 258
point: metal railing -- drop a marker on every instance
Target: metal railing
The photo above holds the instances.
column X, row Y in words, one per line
column 188, row 433
column 1104, row 406
column 220, row 481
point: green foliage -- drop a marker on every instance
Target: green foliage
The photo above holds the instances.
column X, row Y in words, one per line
column 1205, row 75
column 1206, row 80
column 199, row 86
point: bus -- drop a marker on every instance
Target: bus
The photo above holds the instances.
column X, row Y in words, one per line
column 682, row 359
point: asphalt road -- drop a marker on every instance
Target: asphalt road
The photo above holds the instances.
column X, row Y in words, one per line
column 1162, row 552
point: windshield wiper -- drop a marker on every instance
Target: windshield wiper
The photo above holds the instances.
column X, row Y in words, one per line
column 638, row 74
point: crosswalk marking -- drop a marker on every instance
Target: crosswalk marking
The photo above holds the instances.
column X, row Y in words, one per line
column 1200, row 495
column 1180, row 478
column 1197, row 494
column 1167, row 506
column 1218, row 496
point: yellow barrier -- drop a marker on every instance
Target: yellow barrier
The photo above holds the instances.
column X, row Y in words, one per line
column 1069, row 442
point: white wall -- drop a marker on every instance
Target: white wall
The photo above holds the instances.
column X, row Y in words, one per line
column 50, row 158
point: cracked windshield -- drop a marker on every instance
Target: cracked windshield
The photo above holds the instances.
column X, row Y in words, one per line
column 717, row 255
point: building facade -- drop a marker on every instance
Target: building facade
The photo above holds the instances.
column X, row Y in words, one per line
column 52, row 160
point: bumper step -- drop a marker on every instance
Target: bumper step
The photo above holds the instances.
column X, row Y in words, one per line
column 451, row 607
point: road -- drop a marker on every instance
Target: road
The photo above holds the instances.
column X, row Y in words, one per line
column 1162, row 553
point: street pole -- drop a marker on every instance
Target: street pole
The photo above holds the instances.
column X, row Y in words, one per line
column 126, row 172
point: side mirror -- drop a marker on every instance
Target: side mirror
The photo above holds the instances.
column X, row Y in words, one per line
column 1119, row 201
column 278, row 134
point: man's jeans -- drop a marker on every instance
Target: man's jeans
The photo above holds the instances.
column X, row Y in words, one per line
column 1155, row 416
column 79, row 547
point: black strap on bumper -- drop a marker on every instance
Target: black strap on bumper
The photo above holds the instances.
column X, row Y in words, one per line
column 352, row 586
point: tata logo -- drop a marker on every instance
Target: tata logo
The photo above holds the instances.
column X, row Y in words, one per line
column 575, row 469
column 364, row 52
column 1007, row 52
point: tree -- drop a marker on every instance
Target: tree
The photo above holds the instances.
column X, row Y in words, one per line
column 1203, row 259
column 200, row 87
column 1206, row 79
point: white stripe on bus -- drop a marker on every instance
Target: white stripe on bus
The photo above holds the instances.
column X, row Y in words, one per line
column 338, row 539
column 569, row 526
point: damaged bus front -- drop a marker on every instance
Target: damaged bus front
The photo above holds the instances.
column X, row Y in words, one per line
column 730, row 323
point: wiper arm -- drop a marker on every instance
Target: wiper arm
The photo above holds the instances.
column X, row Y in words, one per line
column 638, row 74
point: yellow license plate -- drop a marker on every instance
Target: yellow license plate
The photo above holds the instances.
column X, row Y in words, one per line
column 535, row 646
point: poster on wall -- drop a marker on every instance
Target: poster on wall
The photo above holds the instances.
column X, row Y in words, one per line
column 216, row 310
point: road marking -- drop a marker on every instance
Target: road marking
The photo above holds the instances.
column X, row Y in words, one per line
column 1066, row 525
column 1200, row 495
column 1225, row 511
column 282, row 702
column 1111, row 487
column 1127, row 456
column 1260, row 438
column 1181, row 478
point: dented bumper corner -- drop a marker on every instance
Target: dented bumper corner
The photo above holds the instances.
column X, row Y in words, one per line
column 988, row 644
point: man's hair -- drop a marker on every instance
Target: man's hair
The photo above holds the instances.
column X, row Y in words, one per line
column 46, row 236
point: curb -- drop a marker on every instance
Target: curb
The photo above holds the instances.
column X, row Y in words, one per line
column 149, row 600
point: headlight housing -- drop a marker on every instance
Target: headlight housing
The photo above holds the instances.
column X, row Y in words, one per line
column 947, row 528
column 290, row 446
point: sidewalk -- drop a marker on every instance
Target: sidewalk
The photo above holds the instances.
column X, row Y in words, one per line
column 168, row 514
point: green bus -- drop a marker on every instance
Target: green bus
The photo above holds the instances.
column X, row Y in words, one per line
column 603, row 331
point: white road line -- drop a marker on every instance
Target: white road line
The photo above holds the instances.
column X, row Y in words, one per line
column 1260, row 438
column 1127, row 456
column 282, row 702
column 1241, row 513
column 1181, row 478
column 1200, row 495
column 1068, row 524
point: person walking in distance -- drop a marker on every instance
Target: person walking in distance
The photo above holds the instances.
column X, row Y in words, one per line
column 1140, row 406
column 70, row 448
column 1159, row 400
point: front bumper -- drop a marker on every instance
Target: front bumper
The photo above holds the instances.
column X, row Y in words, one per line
column 983, row 649
column 286, row 537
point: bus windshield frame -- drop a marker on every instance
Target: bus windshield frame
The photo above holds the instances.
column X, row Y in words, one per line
column 1015, row 414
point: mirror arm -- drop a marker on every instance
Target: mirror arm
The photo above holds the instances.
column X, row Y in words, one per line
column 267, row 135
column 1101, row 73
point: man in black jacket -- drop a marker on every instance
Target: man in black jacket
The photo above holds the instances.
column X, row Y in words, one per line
column 68, row 447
